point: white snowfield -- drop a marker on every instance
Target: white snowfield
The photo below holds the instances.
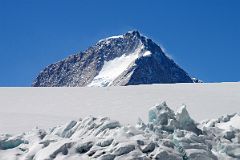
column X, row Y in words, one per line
column 22, row 109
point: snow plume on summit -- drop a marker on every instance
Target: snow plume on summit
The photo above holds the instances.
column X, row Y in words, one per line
column 167, row 135
column 127, row 59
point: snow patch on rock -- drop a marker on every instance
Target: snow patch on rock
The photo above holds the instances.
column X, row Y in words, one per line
column 146, row 53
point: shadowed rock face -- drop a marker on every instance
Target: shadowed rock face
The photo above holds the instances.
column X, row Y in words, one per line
column 143, row 60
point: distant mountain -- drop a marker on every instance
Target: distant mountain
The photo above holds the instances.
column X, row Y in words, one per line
column 128, row 59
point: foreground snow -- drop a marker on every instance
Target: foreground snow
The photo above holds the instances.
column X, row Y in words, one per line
column 167, row 135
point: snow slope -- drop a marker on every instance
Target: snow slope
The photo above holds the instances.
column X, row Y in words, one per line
column 25, row 108
column 114, row 68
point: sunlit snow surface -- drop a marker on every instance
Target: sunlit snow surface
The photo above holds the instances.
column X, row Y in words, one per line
column 110, row 72
column 114, row 68
column 146, row 53
column 24, row 108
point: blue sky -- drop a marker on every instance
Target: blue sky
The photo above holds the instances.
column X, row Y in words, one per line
column 203, row 37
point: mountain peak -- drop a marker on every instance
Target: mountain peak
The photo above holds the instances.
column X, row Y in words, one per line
column 127, row 59
column 134, row 33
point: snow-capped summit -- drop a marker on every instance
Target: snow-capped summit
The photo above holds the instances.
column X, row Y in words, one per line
column 127, row 59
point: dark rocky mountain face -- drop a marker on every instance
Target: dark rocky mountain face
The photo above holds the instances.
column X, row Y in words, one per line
column 128, row 59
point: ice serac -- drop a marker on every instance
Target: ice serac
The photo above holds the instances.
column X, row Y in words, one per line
column 165, row 119
column 185, row 121
column 128, row 59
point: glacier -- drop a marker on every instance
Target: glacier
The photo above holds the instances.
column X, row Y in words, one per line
column 166, row 135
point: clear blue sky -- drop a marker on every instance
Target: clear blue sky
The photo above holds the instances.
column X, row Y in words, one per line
column 203, row 37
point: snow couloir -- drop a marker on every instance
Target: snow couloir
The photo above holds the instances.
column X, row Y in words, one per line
column 167, row 135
